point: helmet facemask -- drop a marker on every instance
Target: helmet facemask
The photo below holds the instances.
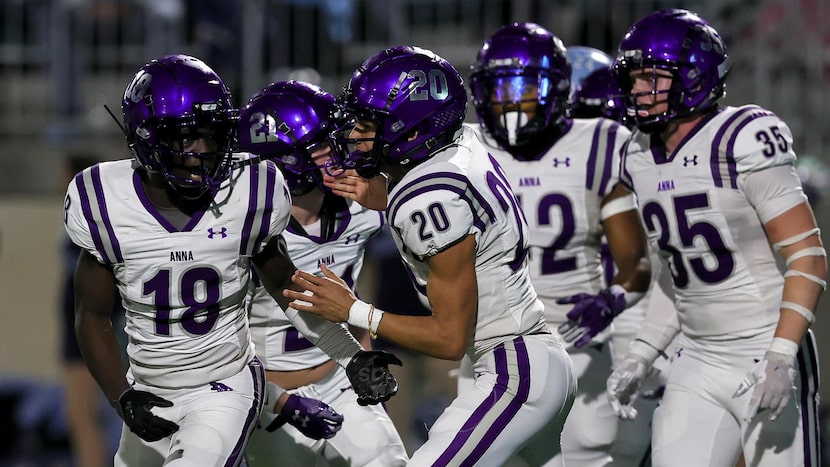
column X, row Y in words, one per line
column 352, row 149
column 190, row 174
column 303, row 168
column 516, row 107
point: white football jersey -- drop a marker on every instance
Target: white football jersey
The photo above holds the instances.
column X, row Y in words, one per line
column 278, row 344
column 183, row 290
column 697, row 215
column 461, row 191
column 561, row 193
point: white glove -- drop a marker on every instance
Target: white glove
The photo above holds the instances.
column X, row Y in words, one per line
column 774, row 381
column 623, row 386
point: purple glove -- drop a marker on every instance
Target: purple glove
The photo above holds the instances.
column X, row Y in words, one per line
column 314, row 418
column 591, row 314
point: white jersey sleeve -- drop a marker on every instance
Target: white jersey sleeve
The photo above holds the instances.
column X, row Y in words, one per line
column 765, row 143
column 183, row 288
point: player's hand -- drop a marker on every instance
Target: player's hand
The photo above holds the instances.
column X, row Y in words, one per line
column 370, row 193
column 590, row 315
column 774, row 381
column 330, row 296
column 134, row 408
column 368, row 371
column 623, row 386
column 314, row 418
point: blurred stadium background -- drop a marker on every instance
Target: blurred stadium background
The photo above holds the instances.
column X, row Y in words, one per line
column 62, row 61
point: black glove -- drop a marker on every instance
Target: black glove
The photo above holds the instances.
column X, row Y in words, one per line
column 134, row 408
column 368, row 371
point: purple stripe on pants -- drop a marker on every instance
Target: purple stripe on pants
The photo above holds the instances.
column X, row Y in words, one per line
column 258, row 377
column 503, row 380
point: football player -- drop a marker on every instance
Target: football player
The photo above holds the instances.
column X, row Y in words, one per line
column 289, row 122
column 460, row 231
column 176, row 230
column 720, row 198
column 564, row 172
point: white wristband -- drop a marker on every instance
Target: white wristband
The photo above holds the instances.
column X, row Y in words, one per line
column 359, row 314
column 374, row 321
column 784, row 347
column 365, row 316
column 643, row 351
column 273, row 393
column 631, row 298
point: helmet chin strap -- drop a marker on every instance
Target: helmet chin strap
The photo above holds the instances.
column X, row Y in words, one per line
column 512, row 122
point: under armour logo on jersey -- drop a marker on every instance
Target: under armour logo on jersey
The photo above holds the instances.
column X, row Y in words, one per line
column 352, row 238
column 223, row 232
column 566, row 162
column 219, row 387
column 689, row 160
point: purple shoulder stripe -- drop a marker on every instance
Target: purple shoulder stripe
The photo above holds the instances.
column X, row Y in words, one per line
column 258, row 218
column 449, row 181
column 97, row 216
column 602, row 142
column 245, row 243
column 592, row 159
column 268, row 208
column 722, row 158
column 608, row 168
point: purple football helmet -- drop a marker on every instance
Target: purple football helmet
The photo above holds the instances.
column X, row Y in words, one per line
column 598, row 95
column 167, row 102
column 520, row 83
column 684, row 44
column 584, row 61
column 404, row 91
column 288, row 121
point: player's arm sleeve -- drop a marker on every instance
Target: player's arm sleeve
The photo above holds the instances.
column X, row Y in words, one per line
column 77, row 224
column 274, row 269
column 431, row 222
column 765, row 160
column 658, row 329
